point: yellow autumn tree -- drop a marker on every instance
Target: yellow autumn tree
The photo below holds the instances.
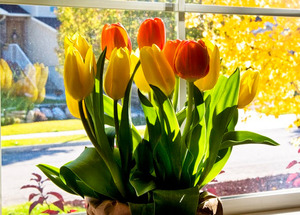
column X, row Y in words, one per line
column 267, row 44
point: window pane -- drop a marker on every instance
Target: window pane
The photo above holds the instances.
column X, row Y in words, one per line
column 254, row 3
column 31, row 44
column 271, row 46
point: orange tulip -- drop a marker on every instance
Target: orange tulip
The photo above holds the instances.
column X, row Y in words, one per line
column 114, row 36
column 191, row 60
column 170, row 49
column 152, row 31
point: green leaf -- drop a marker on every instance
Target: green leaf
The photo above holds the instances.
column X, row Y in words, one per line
column 125, row 133
column 234, row 138
column 153, row 125
column 176, row 201
column 221, row 103
column 168, row 113
column 141, row 209
column 222, row 159
column 90, row 168
column 181, row 115
column 53, row 174
column 142, row 182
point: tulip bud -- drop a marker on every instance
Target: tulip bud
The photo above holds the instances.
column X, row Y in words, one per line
column 139, row 77
column 78, row 42
column 118, row 73
column 210, row 80
column 79, row 73
column 248, row 87
column 114, row 36
column 157, row 69
column 169, row 51
column 152, row 31
column 191, row 60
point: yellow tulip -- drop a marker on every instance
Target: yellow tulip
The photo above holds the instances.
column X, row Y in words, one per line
column 248, row 87
column 72, row 105
column 118, row 73
column 41, row 95
column 210, row 80
column 157, row 69
column 6, row 75
column 78, row 42
column 79, row 72
column 139, row 77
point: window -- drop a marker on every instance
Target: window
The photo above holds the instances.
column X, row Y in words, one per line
column 261, row 30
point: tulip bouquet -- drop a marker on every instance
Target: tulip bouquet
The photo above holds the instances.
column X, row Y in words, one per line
column 163, row 170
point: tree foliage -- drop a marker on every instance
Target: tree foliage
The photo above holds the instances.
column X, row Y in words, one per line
column 267, row 44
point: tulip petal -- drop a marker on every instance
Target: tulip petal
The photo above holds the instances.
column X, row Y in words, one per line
column 210, row 80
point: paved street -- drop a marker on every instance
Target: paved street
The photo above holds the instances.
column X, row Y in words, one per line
column 246, row 161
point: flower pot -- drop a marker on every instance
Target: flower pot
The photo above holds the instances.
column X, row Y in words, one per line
column 208, row 205
column 107, row 207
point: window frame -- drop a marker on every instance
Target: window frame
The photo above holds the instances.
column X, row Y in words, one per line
column 265, row 201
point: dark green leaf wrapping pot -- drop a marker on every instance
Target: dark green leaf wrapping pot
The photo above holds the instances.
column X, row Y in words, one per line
column 186, row 201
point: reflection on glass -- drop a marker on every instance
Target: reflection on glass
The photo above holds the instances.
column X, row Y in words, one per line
column 269, row 45
column 32, row 89
column 252, row 3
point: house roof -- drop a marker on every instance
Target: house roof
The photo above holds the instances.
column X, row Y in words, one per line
column 51, row 21
column 13, row 8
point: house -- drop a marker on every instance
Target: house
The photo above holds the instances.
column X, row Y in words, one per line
column 28, row 34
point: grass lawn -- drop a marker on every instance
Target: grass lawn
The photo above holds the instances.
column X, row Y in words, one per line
column 23, row 209
column 45, row 126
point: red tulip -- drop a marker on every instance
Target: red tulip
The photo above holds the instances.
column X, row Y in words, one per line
column 114, row 36
column 191, row 60
column 152, row 31
column 169, row 51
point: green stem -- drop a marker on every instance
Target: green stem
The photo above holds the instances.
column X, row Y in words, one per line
column 176, row 91
column 86, row 125
column 113, row 167
column 116, row 120
column 189, row 109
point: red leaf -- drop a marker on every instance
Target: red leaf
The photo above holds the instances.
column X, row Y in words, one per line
column 32, row 206
column 291, row 164
column 38, row 177
column 291, row 177
column 31, row 196
column 72, row 211
column 50, row 212
column 32, row 186
column 59, row 204
column 57, row 196
column 297, row 182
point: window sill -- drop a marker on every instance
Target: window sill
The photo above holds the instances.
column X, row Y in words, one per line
column 273, row 202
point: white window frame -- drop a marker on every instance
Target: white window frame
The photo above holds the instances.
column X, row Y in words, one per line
column 283, row 201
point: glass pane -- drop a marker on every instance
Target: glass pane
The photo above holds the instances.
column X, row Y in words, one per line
column 37, row 131
column 271, row 46
column 254, row 3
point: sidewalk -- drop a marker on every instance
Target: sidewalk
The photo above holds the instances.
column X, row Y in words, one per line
column 44, row 134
